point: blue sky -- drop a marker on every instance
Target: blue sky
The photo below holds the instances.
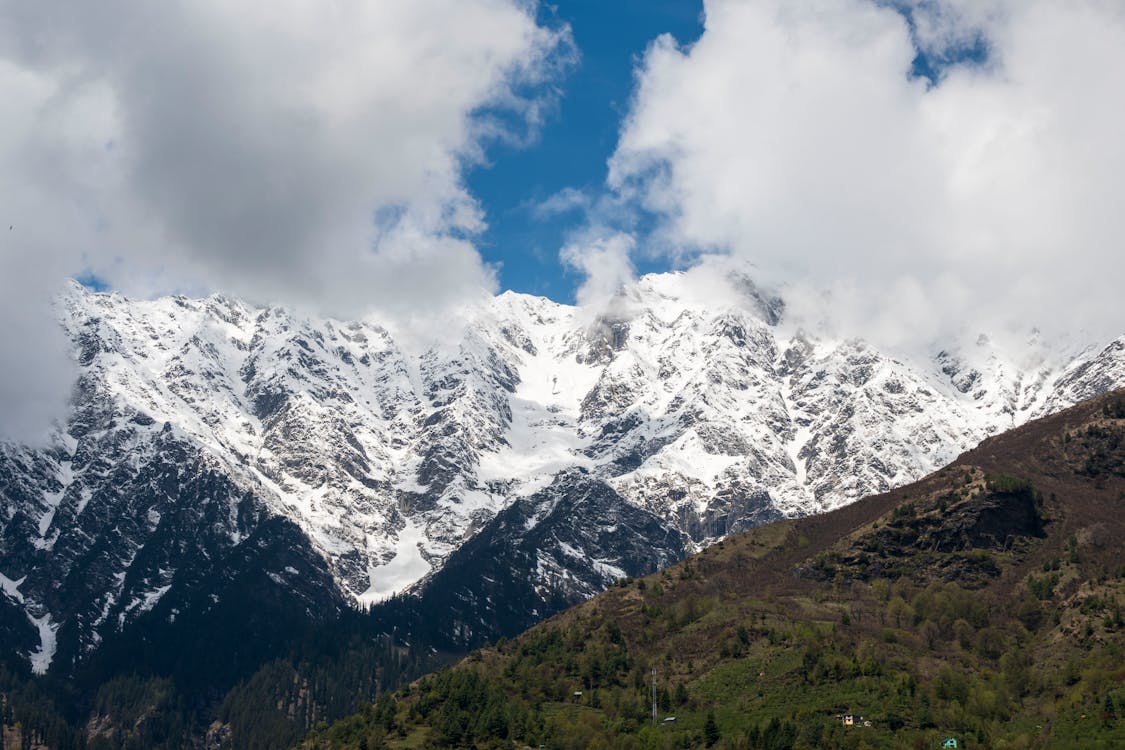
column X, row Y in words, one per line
column 576, row 140
column 580, row 135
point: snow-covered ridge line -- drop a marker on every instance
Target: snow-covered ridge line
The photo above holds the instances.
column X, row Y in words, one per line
column 680, row 393
column 704, row 411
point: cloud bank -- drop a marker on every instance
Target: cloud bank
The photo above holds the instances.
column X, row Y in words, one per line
column 300, row 152
column 794, row 136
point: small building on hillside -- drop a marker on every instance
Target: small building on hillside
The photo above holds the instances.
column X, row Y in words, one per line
column 853, row 720
column 950, row 742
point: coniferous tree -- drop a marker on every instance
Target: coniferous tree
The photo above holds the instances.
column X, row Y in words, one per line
column 711, row 732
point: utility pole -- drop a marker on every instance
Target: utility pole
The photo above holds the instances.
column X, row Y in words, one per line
column 654, row 696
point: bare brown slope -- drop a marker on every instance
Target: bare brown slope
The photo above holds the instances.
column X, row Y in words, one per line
column 1057, row 455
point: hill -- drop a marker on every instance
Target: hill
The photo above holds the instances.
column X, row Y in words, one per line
column 981, row 603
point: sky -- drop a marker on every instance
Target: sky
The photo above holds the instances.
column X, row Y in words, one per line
column 901, row 170
column 524, row 236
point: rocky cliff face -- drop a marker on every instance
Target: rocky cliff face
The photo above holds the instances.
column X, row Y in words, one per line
column 542, row 554
column 569, row 448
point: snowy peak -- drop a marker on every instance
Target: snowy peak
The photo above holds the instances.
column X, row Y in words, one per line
column 683, row 398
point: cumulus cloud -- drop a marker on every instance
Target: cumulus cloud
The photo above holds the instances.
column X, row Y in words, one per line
column 794, row 135
column 301, row 152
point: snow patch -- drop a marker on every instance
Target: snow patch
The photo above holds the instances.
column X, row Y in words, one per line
column 148, row 599
column 12, row 588
column 41, row 659
column 52, row 499
column 801, row 437
column 608, row 571
column 407, row 567
column 83, row 500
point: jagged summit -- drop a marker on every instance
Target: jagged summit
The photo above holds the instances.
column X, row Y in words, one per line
column 195, row 421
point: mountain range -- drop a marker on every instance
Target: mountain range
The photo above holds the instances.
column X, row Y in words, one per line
column 544, row 450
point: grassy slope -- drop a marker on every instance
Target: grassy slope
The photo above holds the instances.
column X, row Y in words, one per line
column 983, row 602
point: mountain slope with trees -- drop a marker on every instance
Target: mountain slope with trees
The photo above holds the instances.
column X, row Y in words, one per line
column 982, row 603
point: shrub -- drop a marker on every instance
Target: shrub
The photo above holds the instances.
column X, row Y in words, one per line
column 1043, row 588
column 1008, row 485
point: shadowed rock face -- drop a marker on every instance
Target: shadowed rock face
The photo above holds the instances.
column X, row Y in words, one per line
column 993, row 521
column 736, row 509
column 541, row 555
column 946, row 539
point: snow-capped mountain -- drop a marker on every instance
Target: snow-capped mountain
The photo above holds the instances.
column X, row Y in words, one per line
column 198, row 424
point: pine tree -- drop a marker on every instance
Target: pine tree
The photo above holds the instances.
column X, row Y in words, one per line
column 711, row 732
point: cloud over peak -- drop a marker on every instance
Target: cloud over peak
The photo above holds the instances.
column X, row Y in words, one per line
column 796, row 135
column 300, row 151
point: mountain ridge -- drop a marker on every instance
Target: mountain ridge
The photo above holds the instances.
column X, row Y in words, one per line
column 703, row 416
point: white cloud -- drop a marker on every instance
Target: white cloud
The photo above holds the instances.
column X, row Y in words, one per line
column 603, row 260
column 35, row 369
column 564, row 201
column 792, row 135
column 301, row 151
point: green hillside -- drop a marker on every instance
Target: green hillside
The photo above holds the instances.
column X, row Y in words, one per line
column 983, row 604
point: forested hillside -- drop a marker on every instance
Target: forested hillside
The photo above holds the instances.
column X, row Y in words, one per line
column 983, row 603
